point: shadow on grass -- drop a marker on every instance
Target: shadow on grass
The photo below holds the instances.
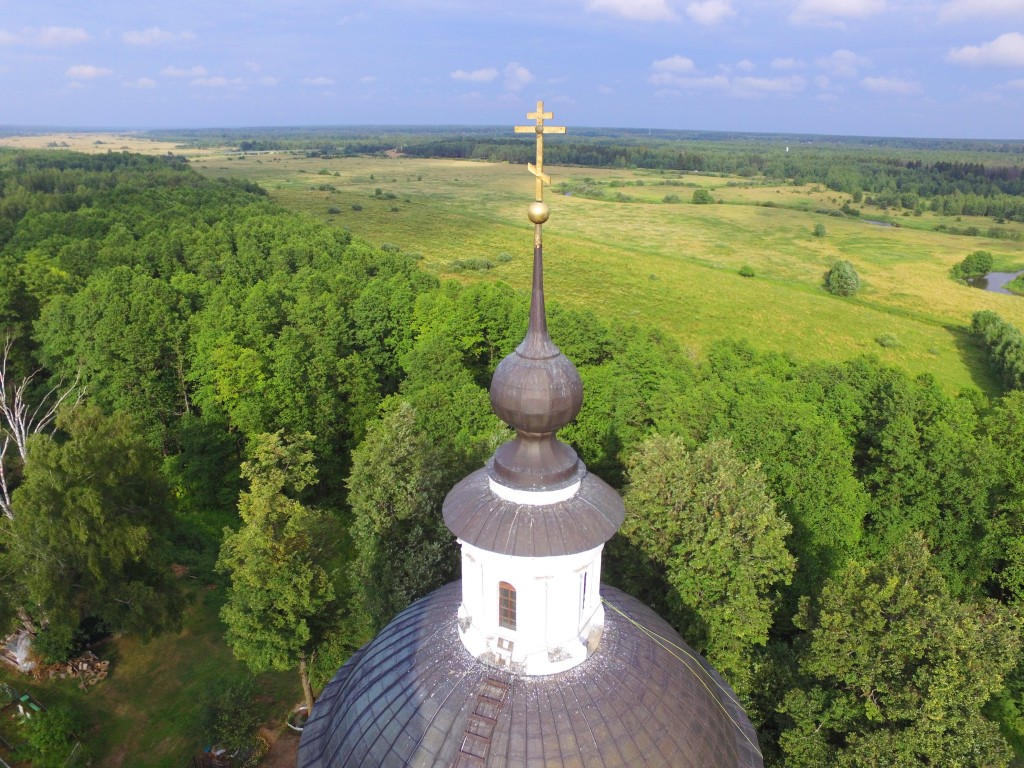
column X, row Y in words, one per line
column 975, row 357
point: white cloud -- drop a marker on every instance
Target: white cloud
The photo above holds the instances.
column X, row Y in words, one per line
column 823, row 82
column 832, row 12
column 367, row 79
column 154, row 36
column 517, row 76
column 962, row 10
column 173, row 71
column 216, row 82
column 605, row 90
column 476, row 75
column 319, row 81
column 713, row 83
column 269, row 81
column 762, row 86
column 746, row 65
column 709, row 12
column 786, row 64
column 1005, row 51
column 843, row 63
column 636, row 10
column 1015, row 84
column 47, row 37
column 676, row 64
column 87, row 72
column 252, row 66
column 141, row 83
column 891, row 85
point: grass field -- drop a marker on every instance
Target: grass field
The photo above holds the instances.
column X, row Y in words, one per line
column 148, row 711
column 674, row 266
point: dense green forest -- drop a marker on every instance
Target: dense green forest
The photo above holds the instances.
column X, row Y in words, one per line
column 282, row 408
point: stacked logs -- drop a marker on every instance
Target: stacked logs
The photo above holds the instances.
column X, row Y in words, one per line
column 88, row 668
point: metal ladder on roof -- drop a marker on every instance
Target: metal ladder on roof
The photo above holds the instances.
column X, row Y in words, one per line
column 480, row 725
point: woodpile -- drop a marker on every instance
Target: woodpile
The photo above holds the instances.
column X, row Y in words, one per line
column 88, row 668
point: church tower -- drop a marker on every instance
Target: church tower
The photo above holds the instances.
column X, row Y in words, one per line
column 533, row 522
column 529, row 660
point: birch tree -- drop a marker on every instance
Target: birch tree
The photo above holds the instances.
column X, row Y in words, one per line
column 20, row 419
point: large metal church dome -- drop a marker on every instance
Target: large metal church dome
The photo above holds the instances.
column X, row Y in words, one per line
column 414, row 696
column 529, row 661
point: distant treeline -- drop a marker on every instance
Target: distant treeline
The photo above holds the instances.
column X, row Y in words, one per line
column 950, row 177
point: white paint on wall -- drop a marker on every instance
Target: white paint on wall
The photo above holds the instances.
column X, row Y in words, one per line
column 558, row 622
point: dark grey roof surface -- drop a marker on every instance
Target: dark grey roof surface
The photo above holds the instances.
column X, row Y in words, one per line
column 476, row 515
column 415, row 697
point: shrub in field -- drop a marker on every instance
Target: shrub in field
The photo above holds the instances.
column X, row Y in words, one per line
column 747, row 271
column 702, row 197
column 888, row 340
column 472, row 265
column 230, row 718
column 819, row 230
column 842, row 279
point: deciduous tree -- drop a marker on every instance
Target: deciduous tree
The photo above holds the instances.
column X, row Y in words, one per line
column 896, row 670
column 88, row 538
column 705, row 520
column 282, row 594
column 400, row 476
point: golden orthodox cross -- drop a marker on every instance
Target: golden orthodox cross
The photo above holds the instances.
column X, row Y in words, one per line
column 540, row 129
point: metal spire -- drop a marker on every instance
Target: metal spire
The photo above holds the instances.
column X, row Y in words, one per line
column 536, row 390
column 537, row 343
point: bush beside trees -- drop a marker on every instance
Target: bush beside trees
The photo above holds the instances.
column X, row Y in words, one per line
column 976, row 264
column 1005, row 345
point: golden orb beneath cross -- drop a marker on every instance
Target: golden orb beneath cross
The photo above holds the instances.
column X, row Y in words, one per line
column 538, row 212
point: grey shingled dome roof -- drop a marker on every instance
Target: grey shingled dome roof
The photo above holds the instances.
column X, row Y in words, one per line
column 476, row 515
column 414, row 696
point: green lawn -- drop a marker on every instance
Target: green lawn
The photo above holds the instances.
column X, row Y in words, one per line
column 674, row 266
column 147, row 712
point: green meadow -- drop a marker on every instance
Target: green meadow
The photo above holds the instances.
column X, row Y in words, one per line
column 614, row 245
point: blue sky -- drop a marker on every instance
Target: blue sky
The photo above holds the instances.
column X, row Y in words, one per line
column 950, row 68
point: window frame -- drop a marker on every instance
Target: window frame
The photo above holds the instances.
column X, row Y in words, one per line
column 506, row 606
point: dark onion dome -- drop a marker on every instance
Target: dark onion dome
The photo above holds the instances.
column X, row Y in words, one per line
column 414, row 696
column 536, row 388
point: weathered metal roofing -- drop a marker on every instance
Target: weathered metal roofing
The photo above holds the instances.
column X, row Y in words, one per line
column 475, row 514
column 415, row 697
column 536, row 394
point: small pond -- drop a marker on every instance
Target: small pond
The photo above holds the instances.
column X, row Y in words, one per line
column 994, row 281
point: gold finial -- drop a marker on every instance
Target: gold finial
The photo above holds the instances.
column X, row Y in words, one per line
column 540, row 129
